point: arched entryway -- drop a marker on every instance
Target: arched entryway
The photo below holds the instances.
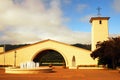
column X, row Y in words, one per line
column 48, row 57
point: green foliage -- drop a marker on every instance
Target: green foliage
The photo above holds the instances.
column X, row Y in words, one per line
column 11, row 47
column 84, row 46
column 108, row 52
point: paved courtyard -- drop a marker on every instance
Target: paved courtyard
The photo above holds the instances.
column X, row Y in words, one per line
column 65, row 74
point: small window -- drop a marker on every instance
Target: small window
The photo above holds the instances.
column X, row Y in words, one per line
column 100, row 22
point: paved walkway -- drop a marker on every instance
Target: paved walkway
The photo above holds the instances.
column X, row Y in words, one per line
column 65, row 74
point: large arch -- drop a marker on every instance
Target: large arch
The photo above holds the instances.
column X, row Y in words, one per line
column 51, row 56
column 73, row 56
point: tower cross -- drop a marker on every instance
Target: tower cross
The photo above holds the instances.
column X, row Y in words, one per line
column 99, row 11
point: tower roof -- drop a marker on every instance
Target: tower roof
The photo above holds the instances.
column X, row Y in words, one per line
column 99, row 18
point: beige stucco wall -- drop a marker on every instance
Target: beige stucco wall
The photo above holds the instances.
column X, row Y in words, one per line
column 99, row 31
column 28, row 53
column 1, row 49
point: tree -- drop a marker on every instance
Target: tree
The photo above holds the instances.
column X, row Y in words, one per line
column 108, row 52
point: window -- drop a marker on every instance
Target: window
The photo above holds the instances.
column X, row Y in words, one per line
column 100, row 22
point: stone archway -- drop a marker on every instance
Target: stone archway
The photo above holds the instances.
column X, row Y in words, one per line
column 50, row 56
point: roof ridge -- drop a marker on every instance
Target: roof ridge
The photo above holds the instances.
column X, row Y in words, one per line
column 42, row 42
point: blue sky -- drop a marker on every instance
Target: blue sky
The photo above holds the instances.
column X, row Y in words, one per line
column 90, row 9
column 29, row 21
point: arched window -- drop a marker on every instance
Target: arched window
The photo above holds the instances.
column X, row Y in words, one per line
column 73, row 61
column 100, row 22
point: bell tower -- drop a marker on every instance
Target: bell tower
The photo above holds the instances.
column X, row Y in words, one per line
column 99, row 29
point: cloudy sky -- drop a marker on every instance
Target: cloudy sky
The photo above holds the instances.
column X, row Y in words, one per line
column 29, row 21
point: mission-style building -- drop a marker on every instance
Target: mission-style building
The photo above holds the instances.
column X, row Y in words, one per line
column 73, row 56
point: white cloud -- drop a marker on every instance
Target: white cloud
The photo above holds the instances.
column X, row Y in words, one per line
column 24, row 21
column 114, row 35
column 81, row 7
column 86, row 18
column 67, row 1
column 116, row 5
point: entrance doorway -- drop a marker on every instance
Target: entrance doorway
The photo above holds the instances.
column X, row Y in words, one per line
column 48, row 57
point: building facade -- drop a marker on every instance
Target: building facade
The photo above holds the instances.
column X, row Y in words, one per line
column 73, row 56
